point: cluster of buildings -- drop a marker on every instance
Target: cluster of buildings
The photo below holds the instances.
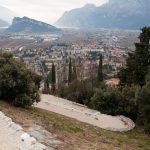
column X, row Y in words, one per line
column 84, row 51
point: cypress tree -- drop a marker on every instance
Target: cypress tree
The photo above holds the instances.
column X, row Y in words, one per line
column 46, row 86
column 74, row 73
column 138, row 61
column 53, row 78
column 100, row 69
column 70, row 71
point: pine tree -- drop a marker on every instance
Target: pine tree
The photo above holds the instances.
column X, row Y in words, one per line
column 53, row 77
column 100, row 69
column 138, row 62
column 70, row 71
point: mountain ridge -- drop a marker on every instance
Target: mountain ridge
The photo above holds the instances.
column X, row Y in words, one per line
column 123, row 14
column 26, row 24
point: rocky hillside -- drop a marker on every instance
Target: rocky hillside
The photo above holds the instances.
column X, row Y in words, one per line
column 124, row 14
column 30, row 25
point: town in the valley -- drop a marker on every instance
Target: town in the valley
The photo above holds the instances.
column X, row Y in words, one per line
column 39, row 51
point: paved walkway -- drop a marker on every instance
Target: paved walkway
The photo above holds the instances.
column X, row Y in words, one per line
column 83, row 114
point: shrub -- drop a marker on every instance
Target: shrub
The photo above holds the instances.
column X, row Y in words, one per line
column 129, row 103
column 77, row 91
column 114, row 101
column 18, row 85
column 107, row 100
column 144, row 107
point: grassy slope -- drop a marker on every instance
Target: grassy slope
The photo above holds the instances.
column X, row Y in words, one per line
column 76, row 135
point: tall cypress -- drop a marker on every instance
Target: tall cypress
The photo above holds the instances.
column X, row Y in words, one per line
column 46, row 86
column 74, row 72
column 100, row 69
column 53, row 78
column 138, row 62
column 70, row 71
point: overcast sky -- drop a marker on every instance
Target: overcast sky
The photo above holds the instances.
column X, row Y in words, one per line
column 45, row 10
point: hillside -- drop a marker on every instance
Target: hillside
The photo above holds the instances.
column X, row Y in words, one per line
column 123, row 14
column 74, row 134
column 30, row 25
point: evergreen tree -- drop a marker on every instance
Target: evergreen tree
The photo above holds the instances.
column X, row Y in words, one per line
column 143, row 100
column 138, row 62
column 74, row 73
column 46, row 86
column 70, row 71
column 18, row 85
column 53, row 73
column 100, row 69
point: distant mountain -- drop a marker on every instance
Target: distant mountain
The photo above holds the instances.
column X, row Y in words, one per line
column 124, row 14
column 6, row 14
column 30, row 25
column 3, row 23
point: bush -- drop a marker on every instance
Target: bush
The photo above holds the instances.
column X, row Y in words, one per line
column 77, row 91
column 18, row 85
column 129, row 103
column 114, row 101
column 107, row 100
column 147, row 127
column 144, row 107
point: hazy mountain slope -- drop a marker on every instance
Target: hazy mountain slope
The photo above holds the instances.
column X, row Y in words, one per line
column 77, row 17
column 6, row 14
column 125, row 14
column 30, row 25
column 3, row 23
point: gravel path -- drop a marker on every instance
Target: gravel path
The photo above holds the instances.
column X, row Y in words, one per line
column 83, row 114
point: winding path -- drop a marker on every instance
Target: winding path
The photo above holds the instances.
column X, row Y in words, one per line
column 83, row 114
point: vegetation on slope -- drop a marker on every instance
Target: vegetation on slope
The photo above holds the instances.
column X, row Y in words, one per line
column 18, row 85
column 131, row 98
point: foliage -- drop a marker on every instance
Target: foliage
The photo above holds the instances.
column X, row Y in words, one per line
column 74, row 76
column 46, row 89
column 18, row 85
column 70, row 71
column 50, row 79
column 53, row 74
column 129, row 102
column 144, row 105
column 107, row 101
column 138, row 62
column 100, row 70
column 114, row 101
column 148, row 77
column 53, row 78
column 77, row 91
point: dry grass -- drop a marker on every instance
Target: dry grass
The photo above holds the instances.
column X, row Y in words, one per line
column 76, row 135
